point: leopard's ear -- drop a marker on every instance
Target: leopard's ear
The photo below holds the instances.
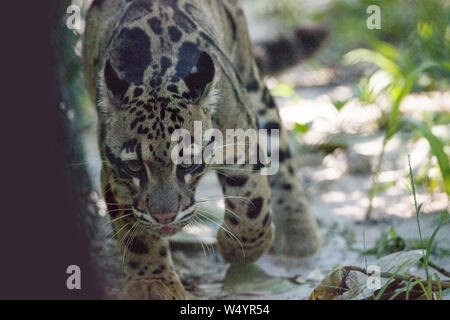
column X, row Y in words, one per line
column 201, row 79
column 116, row 87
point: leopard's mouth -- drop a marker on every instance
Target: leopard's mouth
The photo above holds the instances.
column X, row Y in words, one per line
column 161, row 229
column 164, row 230
column 167, row 230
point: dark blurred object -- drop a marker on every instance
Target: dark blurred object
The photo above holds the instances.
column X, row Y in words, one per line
column 40, row 237
column 276, row 55
column 66, row 74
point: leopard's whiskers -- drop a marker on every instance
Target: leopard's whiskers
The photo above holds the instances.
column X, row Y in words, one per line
column 110, row 237
column 190, row 225
column 210, row 248
column 85, row 163
column 116, row 219
column 125, row 244
column 203, row 214
column 226, row 197
column 226, row 210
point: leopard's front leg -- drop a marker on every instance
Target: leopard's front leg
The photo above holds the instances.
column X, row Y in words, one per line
column 247, row 231
column 150, row 272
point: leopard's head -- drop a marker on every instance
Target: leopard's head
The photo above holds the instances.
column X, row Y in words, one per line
column 145, row 96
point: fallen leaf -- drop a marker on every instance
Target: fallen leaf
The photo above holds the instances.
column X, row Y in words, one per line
column 251, row 279
column 345, row 283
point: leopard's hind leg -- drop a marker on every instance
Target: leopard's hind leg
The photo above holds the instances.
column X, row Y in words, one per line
column 296, row 229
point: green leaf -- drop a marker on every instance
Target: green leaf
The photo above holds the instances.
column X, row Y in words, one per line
column 377, row 58
column 303, row 128
column 252, row 279
column 437, row 148
column 392, row 233
column 384, row 186
column 443, row 220
column 386, row 49
column 283, row 90
column 340, row 104
column 438, row 280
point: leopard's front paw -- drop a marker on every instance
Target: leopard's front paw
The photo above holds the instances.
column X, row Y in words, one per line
column 297, row 236
column 160, row 288
column 248, row 249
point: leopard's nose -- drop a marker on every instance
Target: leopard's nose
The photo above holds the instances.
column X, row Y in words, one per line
column 164, row 218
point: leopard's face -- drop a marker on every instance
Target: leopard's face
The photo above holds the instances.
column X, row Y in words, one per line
column 141, row 105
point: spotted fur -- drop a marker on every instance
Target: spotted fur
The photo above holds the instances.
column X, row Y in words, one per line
column 157, row 66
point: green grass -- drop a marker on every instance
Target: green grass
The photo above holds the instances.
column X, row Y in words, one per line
column 410, row 53
column 403, row 72
column 444, row 219
column 390, row 242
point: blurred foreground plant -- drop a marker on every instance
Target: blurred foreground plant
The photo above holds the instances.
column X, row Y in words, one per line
column 403, row 71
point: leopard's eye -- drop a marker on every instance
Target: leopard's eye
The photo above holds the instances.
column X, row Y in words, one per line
column 134, row 166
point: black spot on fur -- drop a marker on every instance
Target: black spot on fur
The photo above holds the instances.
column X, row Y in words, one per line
column 266, row 219
column 180, row 175
column 98, row 3
column 133, row 264
column 136, row 246
column 131, row 51
column 166, row 63
column 232, row 23
column 233, row 221
column 138, row 92
column 236, row 181
column 286, row 187
column 189, row 57
column 174, row 34
column 114, row 83
column 173, row 88
column 291, row 170
column 254, row 209
column 230, row 204
column 136, row 121
column 155, row 25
